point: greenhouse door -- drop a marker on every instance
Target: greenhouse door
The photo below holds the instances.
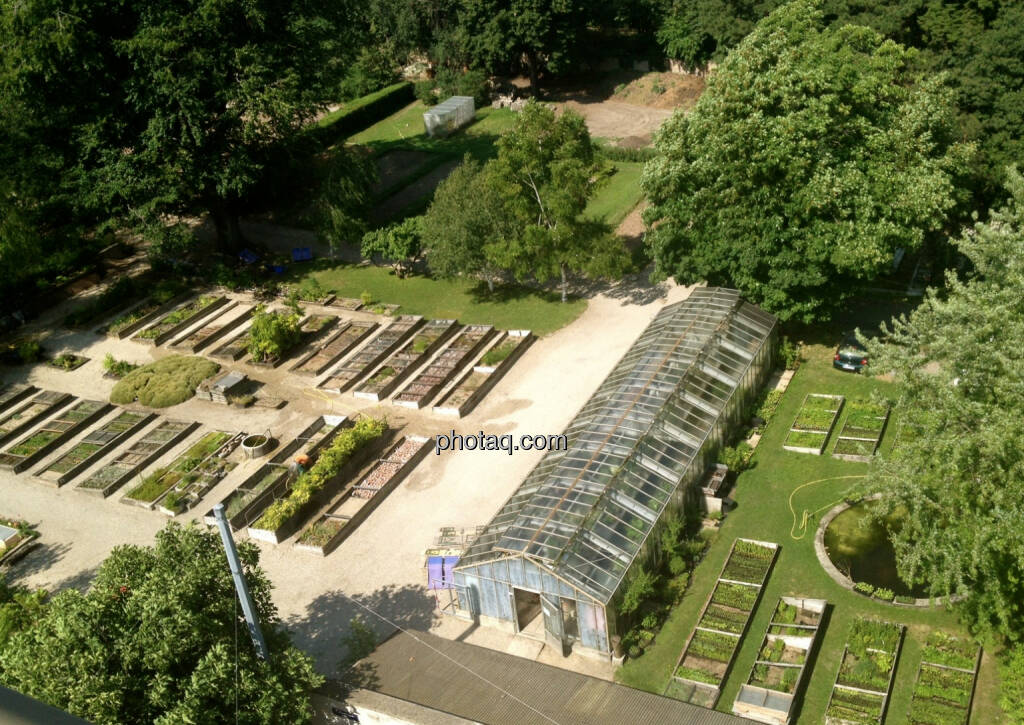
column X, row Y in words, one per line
column 527, row 612
column 554, row 631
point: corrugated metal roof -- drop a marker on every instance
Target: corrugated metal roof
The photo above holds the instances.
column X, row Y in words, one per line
column 454, row 677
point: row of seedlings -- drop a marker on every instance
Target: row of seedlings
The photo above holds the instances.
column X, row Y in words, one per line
column 52, row 434
column 709, row 652
column 310, row 328
column 247, row 502
column 349, row 450
column 178, row 319
column 327, row 532
column 443, row 368
column 96, row 445
column 153, row 444
column 141, row 315
column 346, row 374
column 11, row 395
column 770, row 691
column 862, row 431
column 338, row 345
column 813, row 423
column 945, row 681
column 22, row 417
column 216, row 329
column 474, row 385
column 860, row 695
column 399, row 365
column 199, row 462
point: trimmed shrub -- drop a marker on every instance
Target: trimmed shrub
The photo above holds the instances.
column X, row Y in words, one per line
column 165, row 382
column 364, row 112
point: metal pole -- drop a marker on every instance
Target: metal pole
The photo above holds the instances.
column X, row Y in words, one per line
column 240, row 586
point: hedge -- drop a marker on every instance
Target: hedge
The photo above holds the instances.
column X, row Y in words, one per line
column 364, row 112
column 326, row 467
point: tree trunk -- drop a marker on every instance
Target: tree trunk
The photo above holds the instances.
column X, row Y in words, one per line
column 228, row 225
column 565, row 284
column 531, row 66
column 490, row 285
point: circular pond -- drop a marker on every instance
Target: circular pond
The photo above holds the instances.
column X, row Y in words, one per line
column 862, row 550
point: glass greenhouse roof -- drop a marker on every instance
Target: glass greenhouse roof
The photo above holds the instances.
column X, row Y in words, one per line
column 584, row 512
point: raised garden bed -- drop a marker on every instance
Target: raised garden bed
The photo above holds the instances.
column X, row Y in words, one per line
column 67, row 361
column 703, row 664
column 347, row 303
column 94, row 446
column 310, row 328
column 341, row 343
column 347, row 453
column 138, row 317
column 428, row 383
column 123, row 293
column 770, row 691
column 237, row 345
column 11, row 395
column 25, row 415
column 247, row 502
column 861, row 432
column 814, row 422
column 945, row 681
column 399, row 365
column 51, row 434
column 216, row 329
column 346, row 374
column 327, row 532
column 475, row 384
column 864, row 681
column 177, row 320
column 187, row 492
column 199, row 461
column 140, row 454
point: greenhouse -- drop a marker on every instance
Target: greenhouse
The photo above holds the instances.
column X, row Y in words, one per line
column 449, row 116
column 552, row 562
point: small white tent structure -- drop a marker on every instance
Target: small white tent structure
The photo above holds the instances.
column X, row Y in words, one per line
column 449, row 116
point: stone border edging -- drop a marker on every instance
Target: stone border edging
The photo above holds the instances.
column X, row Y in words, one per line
column 846, row 582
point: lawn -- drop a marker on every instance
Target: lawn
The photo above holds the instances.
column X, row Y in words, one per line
column 509, row 308
column 772, row 497
column 619, row 194
column 404, row 129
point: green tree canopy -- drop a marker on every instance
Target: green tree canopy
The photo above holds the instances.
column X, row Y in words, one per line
column 812, row 156
column 153, row 640
column 956, row 478
column 401, row 243
column 138, row 109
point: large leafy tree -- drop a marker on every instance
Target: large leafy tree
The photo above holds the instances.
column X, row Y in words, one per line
column 957, row 476
column 143, row 108
column 812, row 156
column 153, row 640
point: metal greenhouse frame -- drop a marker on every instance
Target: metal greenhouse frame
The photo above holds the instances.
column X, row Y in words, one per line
column 585, row 515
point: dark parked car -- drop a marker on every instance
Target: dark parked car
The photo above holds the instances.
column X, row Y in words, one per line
column 851, row 355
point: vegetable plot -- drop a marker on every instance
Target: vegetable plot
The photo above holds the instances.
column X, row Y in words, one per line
column 864, row 681
column 814, row 422
column 858, row 440
column 945, row 681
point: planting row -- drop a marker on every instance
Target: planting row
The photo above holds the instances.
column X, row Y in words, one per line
column 858, row 440
column 13, row 394
column 94, row 446
column 153, row 444
column 435, row 376
column 287, row 513
column 708, row 654
column 247, row 502
column 945, row 681
column 328, row 531
column 475, row 384
column 19, row 418
column 398, row 365
column 781, row 666
column 217, row 329
column 344, row 376
column 814, row 422
column 862, row 686
column 179, row 318
column 51, row 434
column 337, row 346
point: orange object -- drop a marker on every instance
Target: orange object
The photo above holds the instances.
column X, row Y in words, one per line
column 302, row 460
